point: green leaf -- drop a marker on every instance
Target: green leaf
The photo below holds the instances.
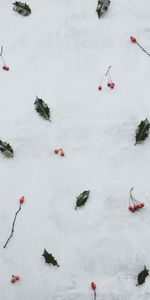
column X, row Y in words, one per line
column 102, row 7
column 142, row 276
column 6, row 149
column 82, row 198
column 49, row 259
column 42, row 108
column 142, row 131
column 22, row 8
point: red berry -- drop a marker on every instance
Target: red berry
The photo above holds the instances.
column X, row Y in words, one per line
column 130, row 207
column 142, row 204
column 21, row 200
column 135, row 206
column 133, row 39
column 93, row 285
column 17, row 277
column 133, row 209
column 99, row 87
column 13, row 280
column 56, row 151
column 109, row 84
column 62, row 153
column 112, row 85
column 6, row 68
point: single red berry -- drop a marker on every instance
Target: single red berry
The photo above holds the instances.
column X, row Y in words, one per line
column 13, row 280
column 56, row 151
column 93, row 285
column 62, row 153
column 6, row 68
column 112, row 85
column 130, row 207
column 142, row 204
column 99, row 87
column 133, row 209
column 17, row 277
column 109, row 84
column 133, row 39
column 21, row 200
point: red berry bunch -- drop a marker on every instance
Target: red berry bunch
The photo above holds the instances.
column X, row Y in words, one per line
column 133, row 203
column 93, row 286
column 110, row 83
column 15, row 278
column 5, row 67
column 59, row 151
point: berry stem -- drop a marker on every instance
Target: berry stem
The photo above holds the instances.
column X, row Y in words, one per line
column 13, row 224
column 143, row 49
column 94, row 294
column 1, row 54
column 106, row 74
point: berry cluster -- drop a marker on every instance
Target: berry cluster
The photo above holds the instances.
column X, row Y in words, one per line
column 133, row 203
column 14, row 278
column 5, row 67
column 110, row 83
column 57, row 151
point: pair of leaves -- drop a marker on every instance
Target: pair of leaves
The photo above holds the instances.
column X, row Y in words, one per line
column 82, row 198
column 6, row 149
column 142, row 131
column 49, row 258
column 142, row 276
column 42, row 108
column 102, row 6
column 22, row 8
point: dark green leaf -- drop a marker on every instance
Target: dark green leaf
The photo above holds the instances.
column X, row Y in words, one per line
column 6, row 149
column 142, row 131
column 22, row 8
column 142, row 276
column 102, row 6
column 82, row 198
column 49, row 259
column 42, row 108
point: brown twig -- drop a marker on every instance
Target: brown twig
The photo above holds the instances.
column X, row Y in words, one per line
column 13, row 224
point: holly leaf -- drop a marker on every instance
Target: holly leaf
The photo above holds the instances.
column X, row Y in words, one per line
column 22, row 8
column 6, row 149
column 142, row 276
column 142, row 131
column 42, row 108
column 82, row 198
column 102, row 6
column 49, row 259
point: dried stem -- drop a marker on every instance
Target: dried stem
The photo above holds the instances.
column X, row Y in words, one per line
column 106, row 74
column 13, row 224
column 1, row 54
column 94, row 294
column 143, row 49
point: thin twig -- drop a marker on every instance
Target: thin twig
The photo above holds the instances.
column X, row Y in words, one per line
column 143, row 49
column 94, row 295
column 12, row 230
